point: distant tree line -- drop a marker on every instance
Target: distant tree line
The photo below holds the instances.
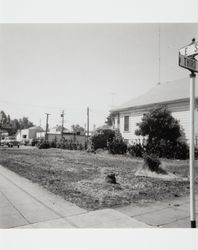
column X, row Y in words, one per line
column 13, row 125
column 76, row 128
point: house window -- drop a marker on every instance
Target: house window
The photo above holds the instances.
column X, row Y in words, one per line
column 118, row 121
column 24, row 136
column 196, row 140
column 126, row 123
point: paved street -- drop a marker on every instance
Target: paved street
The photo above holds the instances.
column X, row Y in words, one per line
column 24, row 204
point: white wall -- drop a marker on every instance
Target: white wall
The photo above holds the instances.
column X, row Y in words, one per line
column 182, row 116
column 133, row 120
column 69, row 137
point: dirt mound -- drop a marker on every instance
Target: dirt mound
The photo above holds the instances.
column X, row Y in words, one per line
column 146, row 172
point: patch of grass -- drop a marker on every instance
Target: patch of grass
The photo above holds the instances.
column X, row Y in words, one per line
column 79, row 176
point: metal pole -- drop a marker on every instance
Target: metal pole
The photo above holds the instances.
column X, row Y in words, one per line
column 192, row 152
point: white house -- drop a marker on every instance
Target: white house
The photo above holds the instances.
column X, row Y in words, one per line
column 174, row 94
column 25, row 135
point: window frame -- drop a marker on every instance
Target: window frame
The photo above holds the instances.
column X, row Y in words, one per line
column 126, row 126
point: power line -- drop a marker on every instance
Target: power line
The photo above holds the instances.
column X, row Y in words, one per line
column 29, row 104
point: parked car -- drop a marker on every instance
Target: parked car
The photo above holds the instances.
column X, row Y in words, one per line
column 10, row 141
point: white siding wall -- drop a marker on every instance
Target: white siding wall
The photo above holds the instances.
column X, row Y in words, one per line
column 133, row 120
column 116, row 122
column 182, row 116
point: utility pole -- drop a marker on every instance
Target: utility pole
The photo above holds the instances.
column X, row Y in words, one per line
column 62, row 126
column 46, row 129
column 87, row 124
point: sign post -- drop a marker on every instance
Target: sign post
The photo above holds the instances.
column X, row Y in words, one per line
column 187, row 60
column 192, row 150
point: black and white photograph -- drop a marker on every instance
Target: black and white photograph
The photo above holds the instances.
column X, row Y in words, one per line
column 98, row 125
column 95, row 125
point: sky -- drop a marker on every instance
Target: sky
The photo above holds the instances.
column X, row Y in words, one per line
column 47, row 68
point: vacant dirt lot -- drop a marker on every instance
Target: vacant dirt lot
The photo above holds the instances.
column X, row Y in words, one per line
column 79, row 176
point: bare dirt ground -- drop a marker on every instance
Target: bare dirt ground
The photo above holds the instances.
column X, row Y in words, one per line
column 79, row 176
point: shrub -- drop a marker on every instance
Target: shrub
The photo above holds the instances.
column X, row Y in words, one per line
column 64, row 144
column 101, row 138
column 181, row 151
column 43, row 145
column 152, row 161
column 196, row 153
column 159, row 124
column 136, row 150
column 53, row 144
column 117, row 146
column 33, row 142
column 79, row 146
column 169, row 150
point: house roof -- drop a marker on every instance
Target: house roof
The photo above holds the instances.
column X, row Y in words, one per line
column 58, row 128
column 161, row 93
column 35, row 128
column 104, row 127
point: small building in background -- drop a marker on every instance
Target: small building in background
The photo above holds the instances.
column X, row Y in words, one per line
column 26, row 135
column 3, row 134
column 56, row 136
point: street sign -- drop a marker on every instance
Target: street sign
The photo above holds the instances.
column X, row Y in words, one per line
column 188, row 63
column 189, row 50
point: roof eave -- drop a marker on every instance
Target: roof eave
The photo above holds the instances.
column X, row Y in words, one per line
column 149, row 105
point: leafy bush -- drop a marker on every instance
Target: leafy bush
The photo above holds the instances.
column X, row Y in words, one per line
column 181, row 151
column 117, row 146
column 169, row 150
column 33, row 142
column 101, row 138
column 69, row 145
column 53, row 144
column 43, row 145
column 136, row 150
column 196, row 153
column 152, row 161
column 159, row 124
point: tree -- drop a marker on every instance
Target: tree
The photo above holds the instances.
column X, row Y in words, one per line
column 77, row 129
column 3, row 118
column 15, row 126
column 25, row 123
column 159, row 125
column 12, row 126
column 110, row 119
column 4, row 121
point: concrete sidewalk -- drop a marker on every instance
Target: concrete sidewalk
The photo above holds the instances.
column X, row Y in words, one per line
column 24, row 204
column 172, row 214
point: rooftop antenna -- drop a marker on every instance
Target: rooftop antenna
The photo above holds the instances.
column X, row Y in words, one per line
column 112, row 98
